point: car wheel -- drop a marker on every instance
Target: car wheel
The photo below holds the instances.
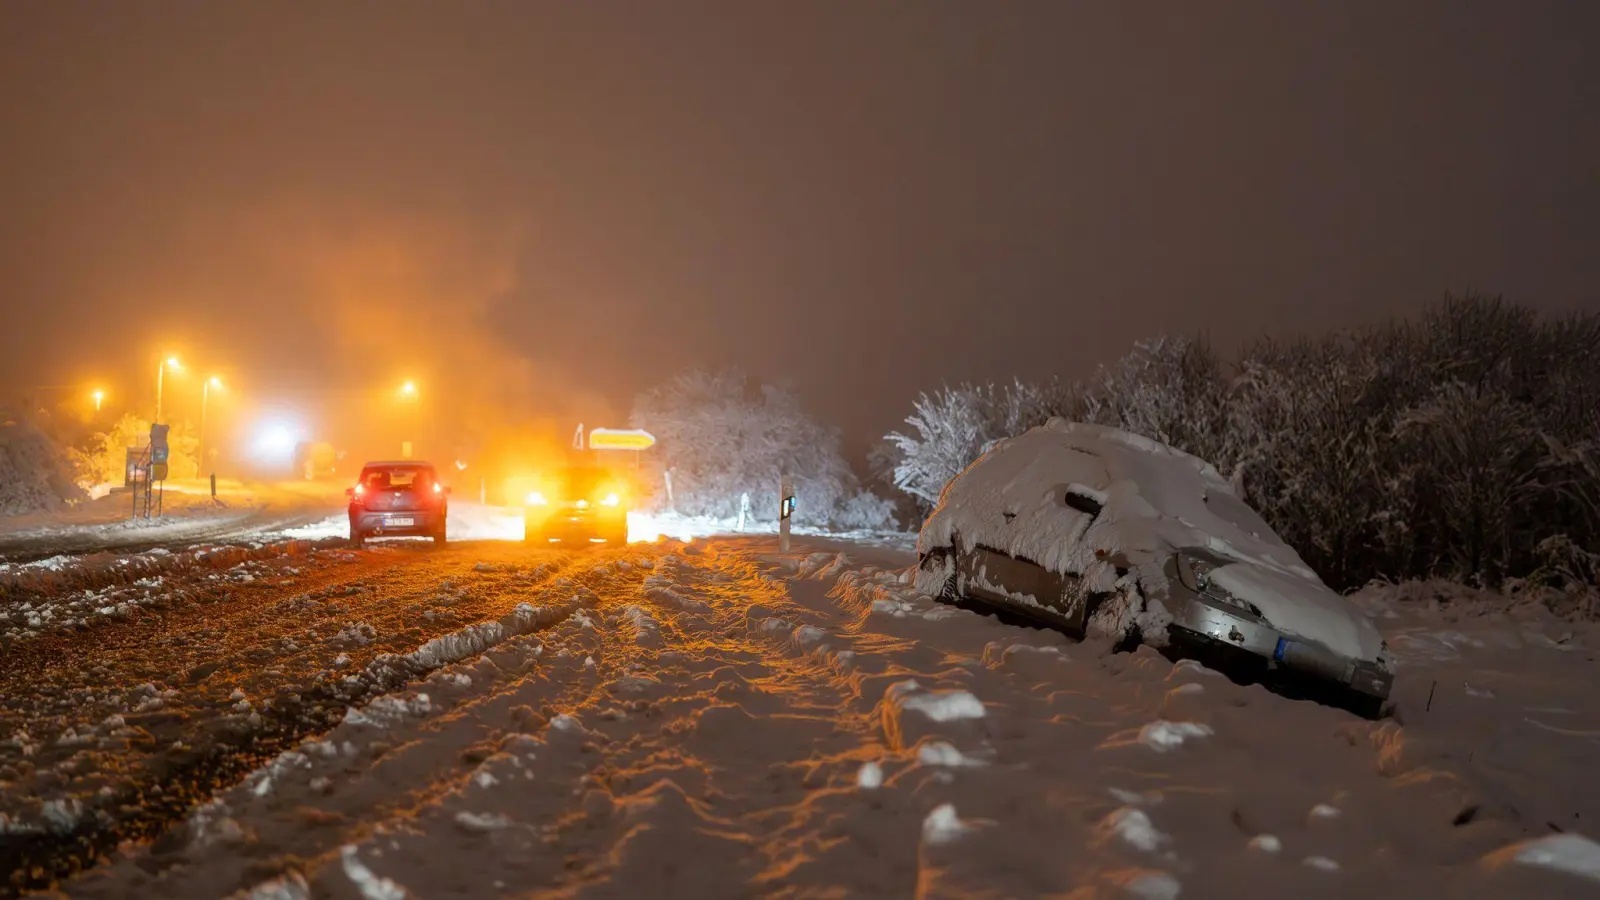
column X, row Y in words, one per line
column 440, row 537
column 358, row 538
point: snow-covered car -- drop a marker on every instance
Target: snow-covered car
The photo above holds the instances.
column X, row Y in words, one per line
column 1097, row 531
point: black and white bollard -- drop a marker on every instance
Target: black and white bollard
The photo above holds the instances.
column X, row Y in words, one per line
column 785, row 513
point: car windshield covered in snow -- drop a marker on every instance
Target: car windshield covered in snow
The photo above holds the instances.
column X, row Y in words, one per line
column 397, row 478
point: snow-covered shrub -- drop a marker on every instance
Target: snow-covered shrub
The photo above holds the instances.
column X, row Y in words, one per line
column 107, row 457
column 952, row 426
column 720, row 437
column 1465, row 443
column 35, row 474
column 1171, row 389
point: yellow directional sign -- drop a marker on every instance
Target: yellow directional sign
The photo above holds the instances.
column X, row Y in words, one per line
column 620, row 439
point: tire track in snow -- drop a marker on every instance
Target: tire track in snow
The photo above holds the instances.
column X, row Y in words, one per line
column 226, row 710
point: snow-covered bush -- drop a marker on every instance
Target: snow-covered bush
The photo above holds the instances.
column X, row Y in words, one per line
column 1171, row 389
column 35, row 474
column 107, row 456
column 952, row 426
column 1464, row 444
column 720, row 437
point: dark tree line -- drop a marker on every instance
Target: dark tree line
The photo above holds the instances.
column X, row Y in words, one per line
column 1462, row 444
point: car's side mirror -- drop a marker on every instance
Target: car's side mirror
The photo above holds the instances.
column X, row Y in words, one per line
column 350, row 492
column 1080, row 499
column 447, row 491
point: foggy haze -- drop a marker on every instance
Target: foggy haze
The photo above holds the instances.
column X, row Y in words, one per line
column 538, row 210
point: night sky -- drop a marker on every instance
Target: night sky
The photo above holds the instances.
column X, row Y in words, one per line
column 572, row 201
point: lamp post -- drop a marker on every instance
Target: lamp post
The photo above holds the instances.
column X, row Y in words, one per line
column 161, row 372
column 99, row 398
column 205, row 397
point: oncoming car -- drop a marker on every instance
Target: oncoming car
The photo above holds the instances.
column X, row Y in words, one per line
column 1094, row 530
column 398, row 499
column 579, row 503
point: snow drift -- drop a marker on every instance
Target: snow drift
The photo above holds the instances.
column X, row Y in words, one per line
column 34, row 474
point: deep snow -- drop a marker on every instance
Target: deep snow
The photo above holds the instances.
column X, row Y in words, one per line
column 720, row 720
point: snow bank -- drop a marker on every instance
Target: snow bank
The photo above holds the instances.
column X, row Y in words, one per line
column 34, row 473
column 1572, row 854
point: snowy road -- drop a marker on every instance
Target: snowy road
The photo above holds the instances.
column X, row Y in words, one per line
column 719, row 720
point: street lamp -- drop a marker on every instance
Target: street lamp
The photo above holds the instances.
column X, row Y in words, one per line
column 205, row 397
column 99, row 398
column 172, row 363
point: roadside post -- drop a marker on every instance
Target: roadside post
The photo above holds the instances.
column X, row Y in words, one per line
column 160, row 452
column 785, row 513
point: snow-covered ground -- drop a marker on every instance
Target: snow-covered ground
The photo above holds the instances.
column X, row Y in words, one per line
column 241, row 513
column 478, row 522
column 718, row 719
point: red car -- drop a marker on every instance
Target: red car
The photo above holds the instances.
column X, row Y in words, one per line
column 398, row 499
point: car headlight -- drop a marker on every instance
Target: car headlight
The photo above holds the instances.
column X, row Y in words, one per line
column 536, row 499
column 611, row 500
column 1196, row 576
column 582, row 504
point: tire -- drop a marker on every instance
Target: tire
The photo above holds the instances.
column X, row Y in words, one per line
column 440, row 538
column 358, row 538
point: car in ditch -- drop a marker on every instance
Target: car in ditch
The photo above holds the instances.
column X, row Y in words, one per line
column 1093, row 530
column 398, row 499
column 581, row 502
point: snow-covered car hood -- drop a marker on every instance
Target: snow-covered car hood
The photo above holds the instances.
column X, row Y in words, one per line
column 1154, row 500
column 1304, row 608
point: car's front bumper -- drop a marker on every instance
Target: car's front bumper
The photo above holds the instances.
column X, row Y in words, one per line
column 1216, row 621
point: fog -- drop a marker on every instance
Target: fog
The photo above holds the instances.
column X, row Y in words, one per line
column 536, row 210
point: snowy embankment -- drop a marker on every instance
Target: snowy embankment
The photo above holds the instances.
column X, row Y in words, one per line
column 719, row 721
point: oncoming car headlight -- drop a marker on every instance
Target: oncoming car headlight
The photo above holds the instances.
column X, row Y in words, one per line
column 536, row 499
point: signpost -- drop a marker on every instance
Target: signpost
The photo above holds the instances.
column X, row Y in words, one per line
column 620, row 439
column 785, row 513
column 160, row 452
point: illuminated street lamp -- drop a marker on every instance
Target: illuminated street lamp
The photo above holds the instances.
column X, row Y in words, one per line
column 205, row 397
column 172, row 363
column 99, row 398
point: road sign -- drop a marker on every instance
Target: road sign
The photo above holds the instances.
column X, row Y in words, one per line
column 620, row 439
column 159, row 451
column 130, row 471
